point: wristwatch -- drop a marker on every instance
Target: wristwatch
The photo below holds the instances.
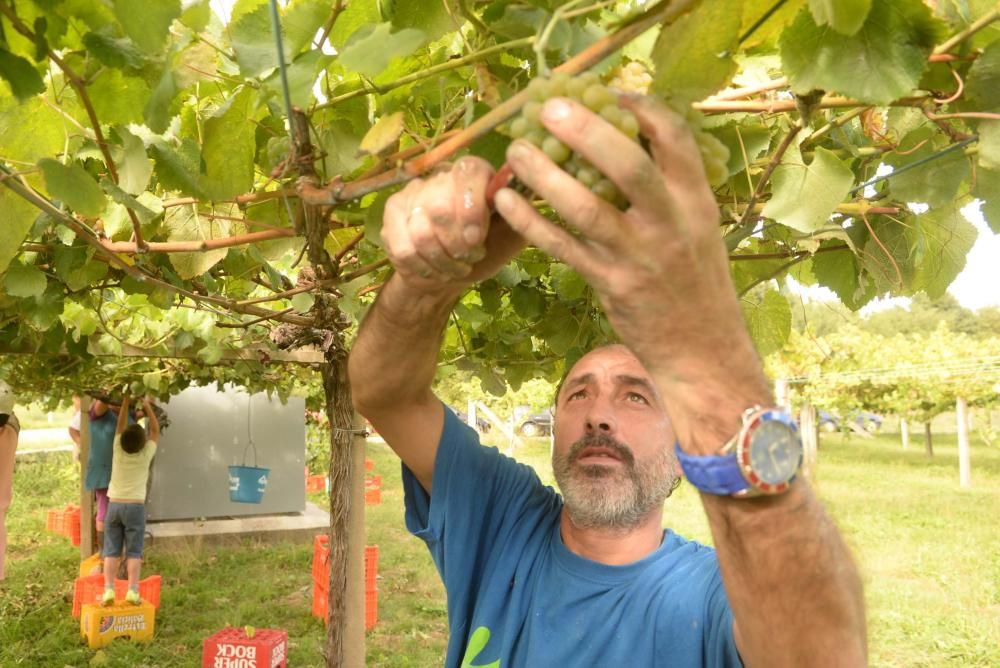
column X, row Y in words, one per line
column 762, row 458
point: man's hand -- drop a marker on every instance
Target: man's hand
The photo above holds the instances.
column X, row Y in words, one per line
column 437, row 230
column 660, row 268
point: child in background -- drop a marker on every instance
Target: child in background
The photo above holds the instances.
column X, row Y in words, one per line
column 10, row 428
column 133, row 451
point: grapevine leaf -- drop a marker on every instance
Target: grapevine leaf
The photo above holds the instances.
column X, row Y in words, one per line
column 24, row 80
column 804, row 196
column 383, row 135
column 934, row 182
column 253, row 42
column 302, row 302
column 117, row 194
column 158, row 110
column 987, row 189
column 769, row 321
column 527, row 301
column 989, row 144
column 186, row 223
column 372, row 48
column 692, row 55
column 567, row 282
column 428, row 16
column 354, row 17
column 844, row 16
column 301, row 21
column 982, row 86
column 559, row 329
column 939, row 240
column 29, row 131
column 868, row 65
column 24, row 281
column 197, row 15
column 74, row 186
column 113, row 51
column 228, row 148
column 18, row 216
column 177, row 170
column 134, row 166
column 838, row 270
column 119, row 99
column 147, row 23
column 777, row 21
column 753, row 138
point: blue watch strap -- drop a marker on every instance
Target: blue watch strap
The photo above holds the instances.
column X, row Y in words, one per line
column 714, row 474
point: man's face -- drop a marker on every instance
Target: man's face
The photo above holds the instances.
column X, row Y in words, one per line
column 613, row 456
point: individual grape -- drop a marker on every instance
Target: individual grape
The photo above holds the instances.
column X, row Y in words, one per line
column 519, row 127
column 557, row 84
column 532, row 112
column 575, row 88
column 629, row 125
column 631, row 77
column 596, row 97
column 612, row 114
column 539, row 89
column 536, row 136
column 588, row 176
column 606, row 190
column 715, row 156
column 557, row 151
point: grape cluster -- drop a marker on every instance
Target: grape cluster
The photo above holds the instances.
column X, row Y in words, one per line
column 631, row 77
column 715, row 156
column 588, row 90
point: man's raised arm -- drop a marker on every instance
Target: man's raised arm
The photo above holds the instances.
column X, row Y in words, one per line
column 661, row 271
column 437, row 234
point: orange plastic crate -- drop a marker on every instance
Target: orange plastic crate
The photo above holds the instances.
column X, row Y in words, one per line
column 369, row 465
column 90, row 588
column 321, row 562
column 371, row 609
column 316, row 483
column 320, row 605
column 52, row 520
column 231, row 647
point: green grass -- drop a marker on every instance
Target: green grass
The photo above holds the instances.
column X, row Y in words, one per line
column 929, row 552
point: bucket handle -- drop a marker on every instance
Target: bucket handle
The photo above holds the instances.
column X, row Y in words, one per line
column 250, row 443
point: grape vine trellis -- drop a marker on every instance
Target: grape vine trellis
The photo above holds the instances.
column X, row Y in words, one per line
column 157, row 196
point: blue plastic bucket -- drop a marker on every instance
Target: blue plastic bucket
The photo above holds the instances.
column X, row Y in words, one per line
column 247, row 483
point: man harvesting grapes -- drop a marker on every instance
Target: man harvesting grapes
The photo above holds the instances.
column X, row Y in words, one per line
column 590, row 577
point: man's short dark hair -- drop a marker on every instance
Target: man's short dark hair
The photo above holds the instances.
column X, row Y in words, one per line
column 3, row 418
column 133, row 439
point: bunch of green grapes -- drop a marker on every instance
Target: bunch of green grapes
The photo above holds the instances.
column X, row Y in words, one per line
column 588, row 90
column 714, row 155
column 631, row 77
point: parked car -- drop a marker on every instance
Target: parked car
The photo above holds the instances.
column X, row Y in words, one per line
column 538, row 424
column 830, row 422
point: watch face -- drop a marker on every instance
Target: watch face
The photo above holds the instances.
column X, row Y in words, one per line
column 775, row 451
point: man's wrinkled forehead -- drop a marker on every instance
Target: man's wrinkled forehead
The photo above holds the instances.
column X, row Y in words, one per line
column 618, row 362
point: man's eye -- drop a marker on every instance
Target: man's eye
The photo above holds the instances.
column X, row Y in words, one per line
column 579, row 394
column 632, row 396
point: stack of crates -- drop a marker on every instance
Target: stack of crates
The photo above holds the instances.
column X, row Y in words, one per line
column 373, row 490
column 315, row 483
column 65, row 522
column 321, row 580
column 234, row 648
column 88, row 590
column 88, row 565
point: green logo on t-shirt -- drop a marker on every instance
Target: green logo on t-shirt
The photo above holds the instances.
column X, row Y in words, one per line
column 477, row 643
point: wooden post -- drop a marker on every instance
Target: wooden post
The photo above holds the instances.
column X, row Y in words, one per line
column 781, row 394
column 928, row 446
column 807, row 429
column 964, row 465
column 87, row 547
column 904, row 431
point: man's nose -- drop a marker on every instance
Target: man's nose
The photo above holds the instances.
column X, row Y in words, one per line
column 601, row 419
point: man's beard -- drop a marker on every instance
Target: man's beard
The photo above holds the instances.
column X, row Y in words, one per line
column 616, row 496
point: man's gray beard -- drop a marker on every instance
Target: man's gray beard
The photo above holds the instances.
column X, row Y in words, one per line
column 613, row 497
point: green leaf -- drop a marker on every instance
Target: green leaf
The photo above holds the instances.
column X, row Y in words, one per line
column 24, row 80
column 527, row 301
column 982, row 85
column 134, row 166
column 177, row 169
column 692, row 54
column 383, row 135
column 428, row 16
column 159, row 109
column 987, row 189
column 559, row 329
column 147, row 22
column 372, row 48
column 151, row 380
column 844, row 16
column 186, row 223
column 197, row 15
column 302, row 302
column 769, row 321
column 935, row 182
column 838, row 270
column 754, row 138
column 253, row 42
column 125, row 199
column 228, row 149
column 74, row 186
column 18, row 216
column 567, row 283
column 940, row 240
column 24, row 281
column 113, row 51
column 119, row 99
column 880, row 63
column 302, row 21
column 356, row 15
column 804, row 196
column 989, row 145
column 30, row 130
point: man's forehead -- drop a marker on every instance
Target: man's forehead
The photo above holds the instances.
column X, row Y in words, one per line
column 610, row 360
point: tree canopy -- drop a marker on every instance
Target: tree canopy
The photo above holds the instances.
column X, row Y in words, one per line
column 160, row 194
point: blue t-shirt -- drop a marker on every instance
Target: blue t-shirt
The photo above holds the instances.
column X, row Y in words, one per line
column 518, row 597
column 99, row 456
